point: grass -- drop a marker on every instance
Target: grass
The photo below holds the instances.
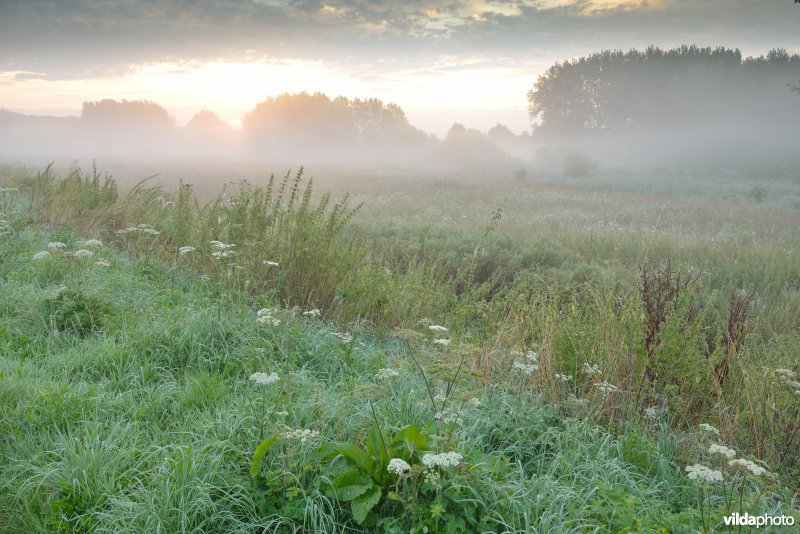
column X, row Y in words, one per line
column 145, row 419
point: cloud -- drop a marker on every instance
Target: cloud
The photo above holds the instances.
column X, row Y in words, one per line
column 82, row 38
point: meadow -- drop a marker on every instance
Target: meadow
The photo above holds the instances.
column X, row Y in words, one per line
column 483, row 351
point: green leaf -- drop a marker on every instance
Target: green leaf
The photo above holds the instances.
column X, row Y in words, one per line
column 258, row 456
column 411, row 438
column 349, row 485
column 489, row 463
column 360, row 458
column 362, row 505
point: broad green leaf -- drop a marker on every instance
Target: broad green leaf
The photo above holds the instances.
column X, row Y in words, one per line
column 362, row 505
column 360, row 458
column 411, row 438
column 350, row 485
column 258, row 456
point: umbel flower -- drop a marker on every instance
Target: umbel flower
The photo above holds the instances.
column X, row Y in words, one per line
column 92, row 244
column 387, row 374
column 437, row 329
column 704, row 474
column 722, row 450
column 265, row 316
column 41, row 255
column 442, row 342
column 264, row 379
column 444, row 459
column 591, row 369
column 398, row 466
column 183, row 251
column 705, row 427
column 741, row 464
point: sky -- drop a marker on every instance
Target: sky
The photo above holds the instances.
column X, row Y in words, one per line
column 468, row 61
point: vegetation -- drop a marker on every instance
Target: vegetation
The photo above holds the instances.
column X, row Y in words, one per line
column 566, row 386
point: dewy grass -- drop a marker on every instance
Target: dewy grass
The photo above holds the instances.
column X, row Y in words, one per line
column 148, row 422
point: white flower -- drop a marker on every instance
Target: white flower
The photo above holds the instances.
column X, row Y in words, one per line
column 264, row 379
column 526, row 368
column 345, row 337
column 301, row 434
column 56, row 245
column 224, row 254
column 387, row 374
column 564, row 378
column 265, row 316
column 93, row 243
column 312, row 313
column 282, row 414
column 708, row 428
column 270, row 263
column 83, row 254
column 785, row 373
column 41, row 255
column 398, row 466
column 151, row 231
column 442, row 342
column 438, row 329
column 792, row 383
column 445, row 459
column 591, row 369
column 103, row 263
column 606, row 387
column 532, row 356
column 219, row 245
column 754, row 468
column 183, row 251
column 651, row 412
column 722, row 450
column 703, row 474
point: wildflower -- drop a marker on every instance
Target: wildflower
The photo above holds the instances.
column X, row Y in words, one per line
column 703, row 474
column 93, row 243
column 303, row 435
column 219, row 245
column 150, row 231
column 785, row 373
column 312, row 313
column 282, row 414
column 445, row 459
column 722, row 450
column 83, row 254
column 265, row 316
column 526, row 368
column 651, row 412
column 448, row 417
column 606, row 387
column 270, row 263
column 792, row 383
column 387, row 374
column 41, row 255
column 398, row 467
column 741, row 464
column 591, row 369
column 532, row 356
column 442, row 342
column 103, row 263
column 264, row 379
column 708, row 428
column 345, row 337
column 564, row 378
column 224, row 254
column 183, row 251
column 438, row 329
column 56, row 245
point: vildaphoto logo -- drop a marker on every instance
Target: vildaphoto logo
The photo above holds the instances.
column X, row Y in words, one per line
column 758, row 521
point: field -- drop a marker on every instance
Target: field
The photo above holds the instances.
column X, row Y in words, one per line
column 488, row 351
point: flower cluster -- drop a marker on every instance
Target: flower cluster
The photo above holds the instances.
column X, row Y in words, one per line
column 183, row 251
column 5, row 228
column 705, row 427
column 437, row 329
column 41, row 255
column 788, row 378
column 312, row 313
column 264, row 379
column 92, row 244
column 55, row 246
column 82, row 254
column 144, row 229
column 398, row 467
column 704, row 474
column 303, row 435
column 444, row 459
column 103, row 263
column 266, row 316
column 387, row 374
column 741, row 464
column 591, row 369
column 564, row 378
column 270, row 263
column 442, row 342
column 606, row 387
column 344, row 337
column 221, row 250
column 722, row 450
column 527, row 367
column 651, row 412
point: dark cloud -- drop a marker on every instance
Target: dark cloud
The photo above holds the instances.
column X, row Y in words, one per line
column 80, row 38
